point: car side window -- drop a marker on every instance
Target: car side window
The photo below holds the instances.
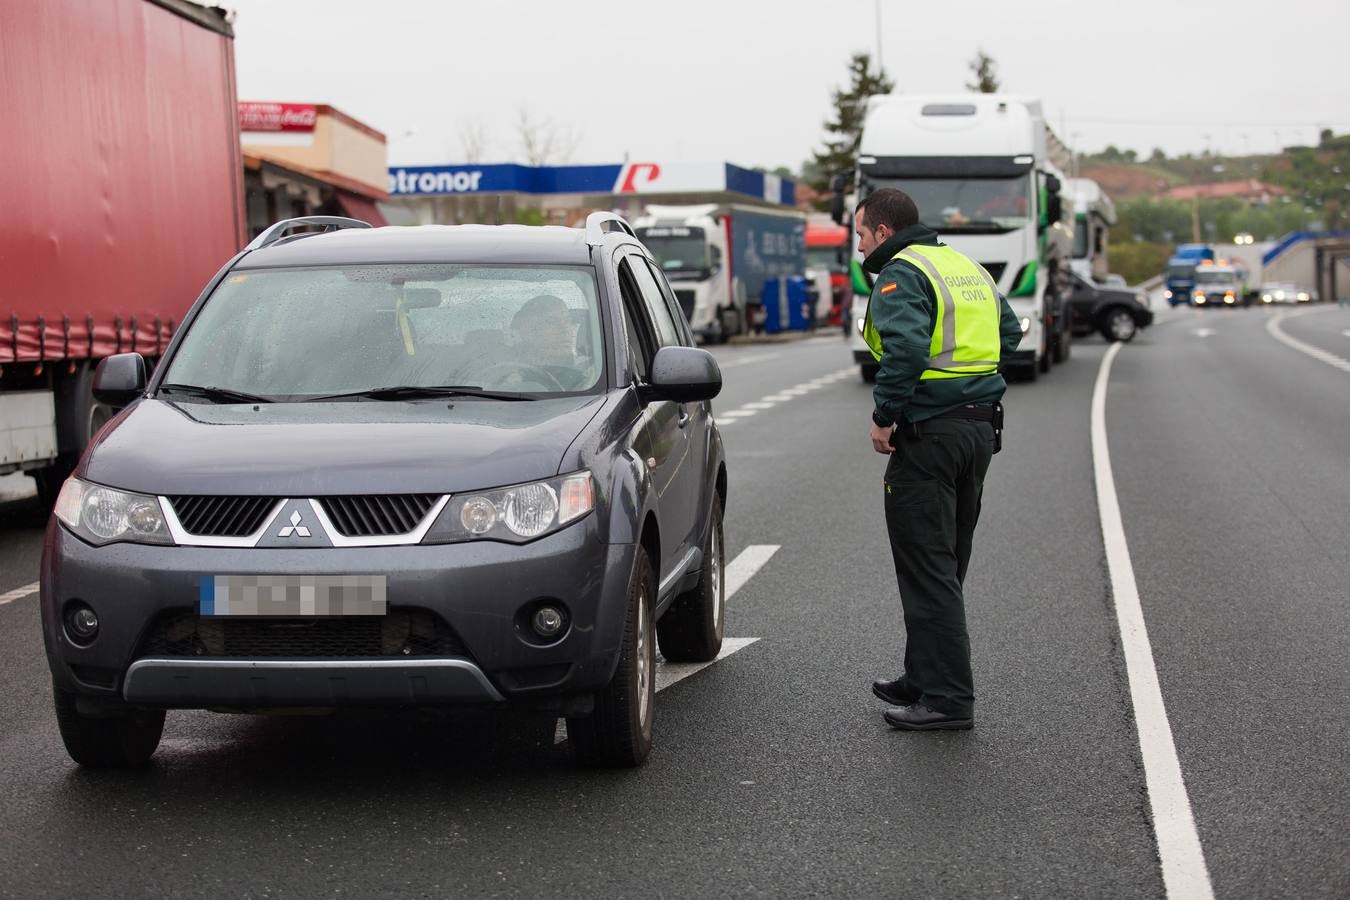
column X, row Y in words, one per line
column 673, row 305
column 666, row 331
column 641, row 341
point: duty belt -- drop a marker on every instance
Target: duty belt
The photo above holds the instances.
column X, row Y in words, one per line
column 975, row 412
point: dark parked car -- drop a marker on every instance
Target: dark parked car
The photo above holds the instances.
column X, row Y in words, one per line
column 1118, row 313
column 392, row 467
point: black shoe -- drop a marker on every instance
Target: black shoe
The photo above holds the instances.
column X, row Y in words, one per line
column 918, row 717
column 896, row 693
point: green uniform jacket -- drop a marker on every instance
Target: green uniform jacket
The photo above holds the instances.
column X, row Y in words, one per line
column 905, row 318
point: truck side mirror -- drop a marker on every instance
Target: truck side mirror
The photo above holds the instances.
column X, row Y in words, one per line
column 119, row 379
column 837, row 186
column 715, row 258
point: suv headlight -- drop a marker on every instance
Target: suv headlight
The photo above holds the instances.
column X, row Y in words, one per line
column 104, row 515
column 515, row 514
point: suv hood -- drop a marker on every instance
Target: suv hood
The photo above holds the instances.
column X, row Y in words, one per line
column 315, row 449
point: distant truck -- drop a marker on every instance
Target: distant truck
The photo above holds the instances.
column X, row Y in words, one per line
column 827, row 247
column 1093, row 216
column 718, row 257
column 117, row 215
column 986, row 172
column 1181, row 271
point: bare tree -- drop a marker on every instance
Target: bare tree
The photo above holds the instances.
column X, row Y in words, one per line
column 542, row 141
column 985, row 71
column 474, row 140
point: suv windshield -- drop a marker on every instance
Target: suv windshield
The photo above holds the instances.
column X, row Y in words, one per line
column 967, row 204
column 294, row 334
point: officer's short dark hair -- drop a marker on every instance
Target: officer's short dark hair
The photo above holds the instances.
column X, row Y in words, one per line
column 890, row 207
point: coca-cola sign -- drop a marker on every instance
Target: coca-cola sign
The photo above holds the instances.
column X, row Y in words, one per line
column 277, row 116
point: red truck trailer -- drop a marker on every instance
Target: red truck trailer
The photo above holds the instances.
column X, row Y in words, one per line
column 121, row 182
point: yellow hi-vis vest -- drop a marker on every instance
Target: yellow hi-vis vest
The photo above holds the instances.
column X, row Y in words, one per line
column 966, row 338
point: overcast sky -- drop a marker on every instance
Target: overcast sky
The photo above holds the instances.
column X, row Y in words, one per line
column 750, row 83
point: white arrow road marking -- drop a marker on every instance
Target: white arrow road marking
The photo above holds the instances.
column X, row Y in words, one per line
column 18, row 593
column 1346, row 332
column 738, row 572
column 1183, row 859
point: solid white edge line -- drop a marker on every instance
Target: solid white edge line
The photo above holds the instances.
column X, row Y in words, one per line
column 1184, row 872
column 744, row 566
column 18, row 593
column 1317, row 353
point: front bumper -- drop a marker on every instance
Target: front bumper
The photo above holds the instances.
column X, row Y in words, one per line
column 475, row 590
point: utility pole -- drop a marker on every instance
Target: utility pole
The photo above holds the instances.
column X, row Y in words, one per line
column 880, row 65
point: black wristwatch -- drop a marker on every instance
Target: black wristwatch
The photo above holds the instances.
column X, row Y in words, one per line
column 880, row 420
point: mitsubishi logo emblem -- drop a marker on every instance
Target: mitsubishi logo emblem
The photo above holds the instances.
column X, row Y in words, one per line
column 295, row 529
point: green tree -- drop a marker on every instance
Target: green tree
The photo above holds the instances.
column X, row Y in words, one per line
column 843, row 130
column 985, row 71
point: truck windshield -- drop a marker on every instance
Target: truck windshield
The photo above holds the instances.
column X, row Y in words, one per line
column 296, row 334
column 1181, row 271
column 826, row 258
column 677, row 249
column 973, row 205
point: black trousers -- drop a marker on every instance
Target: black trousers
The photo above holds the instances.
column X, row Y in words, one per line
column 933, row 488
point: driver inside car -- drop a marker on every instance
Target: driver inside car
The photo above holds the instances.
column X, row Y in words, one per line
column 544, row 337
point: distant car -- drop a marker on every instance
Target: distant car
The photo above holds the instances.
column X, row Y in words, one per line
column 1117, row 313
column 427, row 465
column 1286, row 292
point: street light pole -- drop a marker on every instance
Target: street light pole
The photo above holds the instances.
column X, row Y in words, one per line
column 880, row 66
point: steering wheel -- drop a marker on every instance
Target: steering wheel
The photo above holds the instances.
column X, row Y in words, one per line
column 535, row 373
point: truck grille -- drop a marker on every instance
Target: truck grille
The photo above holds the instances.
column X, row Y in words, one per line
column 376, row 515
column 401, row 633
column 222, row 516
column 686, row 299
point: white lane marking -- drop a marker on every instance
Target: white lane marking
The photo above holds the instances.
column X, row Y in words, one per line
column 745, row 361
column 18, row 593
column 1317, row 353
column 738, row 572
column 1346, row 332
column 743, row 567
column 1183, row 859
column 759, row 404
column 668, row 673
column 782, row 396
column 735, row 413
column 1204, row 332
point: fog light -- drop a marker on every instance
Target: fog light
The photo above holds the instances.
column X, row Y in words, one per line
column 81, row 624
column 548, row 621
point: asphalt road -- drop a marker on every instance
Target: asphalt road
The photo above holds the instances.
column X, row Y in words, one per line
column 773, row 773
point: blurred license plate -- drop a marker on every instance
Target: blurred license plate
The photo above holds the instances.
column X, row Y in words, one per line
column 293, row 595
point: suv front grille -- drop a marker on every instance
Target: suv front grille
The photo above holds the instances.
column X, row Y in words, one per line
column 222, row 516
column 401, row 633
column 375, row 515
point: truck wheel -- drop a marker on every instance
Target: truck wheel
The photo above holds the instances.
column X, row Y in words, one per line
column 1062, row 344
column 691, row 630
column 869, row 372
column 1118, row 325
column 619, row 732
column 730, row 318
column 78, row 418
column 129, row 739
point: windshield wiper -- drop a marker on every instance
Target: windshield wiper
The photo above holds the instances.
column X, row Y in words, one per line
column 417, row 391
column 217, row 394
column 977, row 227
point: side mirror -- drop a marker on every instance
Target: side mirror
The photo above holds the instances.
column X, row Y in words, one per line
column 1054, row 208
column 715, row 257
column 683, row 375
column 837, row 187
column 120, row 379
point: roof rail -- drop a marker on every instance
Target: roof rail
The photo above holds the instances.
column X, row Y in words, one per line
column 598, row 224
column 276, row 232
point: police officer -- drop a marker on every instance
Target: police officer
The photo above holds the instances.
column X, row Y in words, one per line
column 937, row 327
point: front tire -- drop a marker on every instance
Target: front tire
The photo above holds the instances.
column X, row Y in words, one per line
column 692, row 629
column 619, row 731
column 129, row 739
column 1118, row 325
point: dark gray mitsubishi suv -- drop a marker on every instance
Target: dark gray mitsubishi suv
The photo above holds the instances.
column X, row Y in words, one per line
column 468, row 465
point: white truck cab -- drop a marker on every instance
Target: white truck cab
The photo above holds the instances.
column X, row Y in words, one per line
column 1093, row 216
column 985, row 172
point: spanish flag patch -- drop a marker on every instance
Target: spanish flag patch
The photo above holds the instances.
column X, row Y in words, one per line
column 888, row 288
